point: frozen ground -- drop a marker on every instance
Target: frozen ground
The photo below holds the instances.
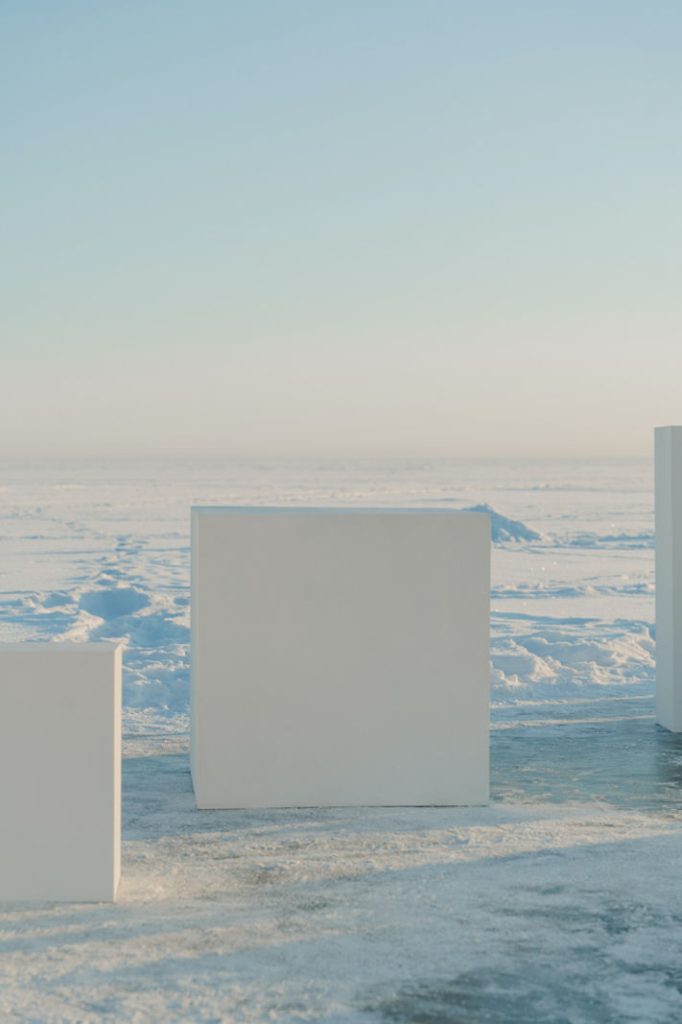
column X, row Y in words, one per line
column 560, row 902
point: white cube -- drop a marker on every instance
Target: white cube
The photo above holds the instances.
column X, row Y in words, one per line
column 339, row 657
column 669, row 577
column 60, row 771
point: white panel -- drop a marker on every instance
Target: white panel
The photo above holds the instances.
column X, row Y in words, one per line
column 669, row 577
column 60, row 765
column 339, row 657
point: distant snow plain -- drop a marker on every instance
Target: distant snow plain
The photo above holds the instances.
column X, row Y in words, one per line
column 93, row 551
column 543, row 907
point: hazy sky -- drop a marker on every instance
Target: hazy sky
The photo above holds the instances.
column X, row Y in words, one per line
column 345, row 228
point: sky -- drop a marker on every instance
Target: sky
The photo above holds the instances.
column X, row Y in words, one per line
column 269, row 228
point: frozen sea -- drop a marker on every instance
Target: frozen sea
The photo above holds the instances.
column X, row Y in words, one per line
column 560, row 902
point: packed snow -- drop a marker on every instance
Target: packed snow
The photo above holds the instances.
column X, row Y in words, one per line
column 543, row 907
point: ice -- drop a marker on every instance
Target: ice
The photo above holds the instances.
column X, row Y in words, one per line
column 542, row 907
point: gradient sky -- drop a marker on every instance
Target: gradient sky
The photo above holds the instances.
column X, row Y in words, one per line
column 308, row 227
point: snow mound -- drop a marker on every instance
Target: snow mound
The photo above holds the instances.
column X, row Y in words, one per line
column 566, row 658
column 504, row 529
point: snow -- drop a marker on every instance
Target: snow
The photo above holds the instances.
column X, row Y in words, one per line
column 94, row 551
column 502, row 528
column 559, row 902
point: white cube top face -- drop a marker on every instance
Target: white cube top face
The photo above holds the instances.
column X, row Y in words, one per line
column 60, row 765
column 669, row 577
column 340, row 657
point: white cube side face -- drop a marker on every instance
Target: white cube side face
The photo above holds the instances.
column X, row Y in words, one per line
column 668, row 455
column 340, row 657
column 60, row 771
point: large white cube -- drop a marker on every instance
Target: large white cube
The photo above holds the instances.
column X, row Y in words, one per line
column 339, row 656
column 60, row 771
column 669, row 577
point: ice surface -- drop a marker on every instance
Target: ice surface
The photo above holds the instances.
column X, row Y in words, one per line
column 558, row 903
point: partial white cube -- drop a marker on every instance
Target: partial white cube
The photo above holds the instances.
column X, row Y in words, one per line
column 60, row 771
column 669, row 577
column 339, row 657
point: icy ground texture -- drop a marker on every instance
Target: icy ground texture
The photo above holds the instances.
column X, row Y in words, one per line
column 558, row 904
column 548, row 907
column 101, row 551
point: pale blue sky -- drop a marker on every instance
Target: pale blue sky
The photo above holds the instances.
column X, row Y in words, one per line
column 348, row 228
